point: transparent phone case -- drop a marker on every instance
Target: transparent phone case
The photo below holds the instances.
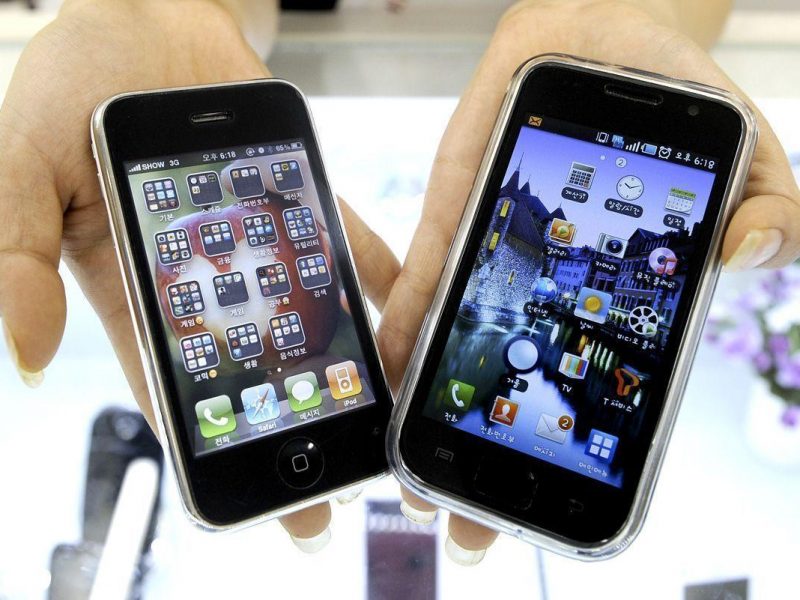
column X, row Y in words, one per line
column 633, row 524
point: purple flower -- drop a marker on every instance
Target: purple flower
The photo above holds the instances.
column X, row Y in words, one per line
column 744, row 340
column 762, row 362
column 791, row 416
column 788, row 375
column 779, row 344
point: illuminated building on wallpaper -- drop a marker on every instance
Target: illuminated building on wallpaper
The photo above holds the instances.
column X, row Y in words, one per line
column 510, row 259
column 631, row 291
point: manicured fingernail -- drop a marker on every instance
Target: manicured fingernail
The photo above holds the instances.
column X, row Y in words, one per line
column 421, row 517
column 757, row 247
column 348, row 497
column 313, row 544
column 32, row 379
column 462, row 556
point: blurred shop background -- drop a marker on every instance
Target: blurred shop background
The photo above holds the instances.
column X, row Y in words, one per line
column 384, row 78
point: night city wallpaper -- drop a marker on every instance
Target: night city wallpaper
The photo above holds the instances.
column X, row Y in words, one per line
column 571, row 300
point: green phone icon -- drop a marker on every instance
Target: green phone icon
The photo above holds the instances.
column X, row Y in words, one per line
column 215, row 416
column 459, row 394
column 303, row 391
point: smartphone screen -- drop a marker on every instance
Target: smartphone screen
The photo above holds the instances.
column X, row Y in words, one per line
column 559, row 346
column 259, row 331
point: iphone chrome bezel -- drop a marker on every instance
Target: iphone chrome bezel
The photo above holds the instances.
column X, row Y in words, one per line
column 110, row 183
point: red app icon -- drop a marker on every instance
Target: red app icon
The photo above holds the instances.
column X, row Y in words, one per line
column 504, row 411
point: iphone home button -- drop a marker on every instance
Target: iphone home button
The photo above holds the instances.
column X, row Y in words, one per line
column 300, row 463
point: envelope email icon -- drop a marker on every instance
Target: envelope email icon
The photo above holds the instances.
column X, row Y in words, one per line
column 535, row 121
column 548, row 429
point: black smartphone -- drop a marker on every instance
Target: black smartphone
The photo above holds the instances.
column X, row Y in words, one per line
column 254, row 333
column 547, row 378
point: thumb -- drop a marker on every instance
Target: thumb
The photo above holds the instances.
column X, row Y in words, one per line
column 32, row 301
column 765, row 231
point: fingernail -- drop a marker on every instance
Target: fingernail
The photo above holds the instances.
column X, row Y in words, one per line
column 757, row 247
column 313, row 544
column 32, row 379
column 348, row 497
column 421, row 517
column 462, row 556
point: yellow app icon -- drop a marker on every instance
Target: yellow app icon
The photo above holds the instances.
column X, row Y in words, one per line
column 343, row 380
column 562, row 232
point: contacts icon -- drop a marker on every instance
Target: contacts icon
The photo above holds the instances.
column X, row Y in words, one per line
column 504, row 411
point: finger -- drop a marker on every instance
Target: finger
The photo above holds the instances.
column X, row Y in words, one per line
column 32, row 300
column 309, row 528
column 416, row 509
column 376, row 264
column 467, row 541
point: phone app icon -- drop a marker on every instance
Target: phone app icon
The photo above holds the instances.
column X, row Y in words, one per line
column 343, row 380
column 217, row 238
column 199, row 352
column 562, row 232
column 573, row 366
column 160, row 195
column 173, row 246
column 601, row 445
column 287, row 331
column 215, row 416
column 303, row 391
column 204, row 188
column 300, row 223
column 643, row 321
column 287, row 176
column 592, row 305
column 246, row 182
column 244, row 341
column 581, row 175
column 260, row 403
column 259, row 230
column 313, row 271
column 681, row 201
column 627, row 381
column 273, row 280
column 231, row 289
column 459, row 394
column 611, row 245
column 185, row 299
column 663, row 261
column 504, row 411
column 554, row 428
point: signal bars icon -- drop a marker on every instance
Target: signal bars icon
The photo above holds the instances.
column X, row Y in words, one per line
column 633, row 146
column 135, row 169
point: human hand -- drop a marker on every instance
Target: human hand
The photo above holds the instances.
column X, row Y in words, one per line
column 763, row 232
column 50, row 202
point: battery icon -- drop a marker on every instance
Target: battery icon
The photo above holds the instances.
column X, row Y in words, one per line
column 296, row 146
column 650, row 149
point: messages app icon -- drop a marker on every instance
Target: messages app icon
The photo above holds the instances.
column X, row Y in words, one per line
column 303, row 391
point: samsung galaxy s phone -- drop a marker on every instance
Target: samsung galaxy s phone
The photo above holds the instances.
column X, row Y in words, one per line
column 253, row 330
column 547, row 377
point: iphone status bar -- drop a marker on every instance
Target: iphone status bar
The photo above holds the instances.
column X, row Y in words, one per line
column 191, row 159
